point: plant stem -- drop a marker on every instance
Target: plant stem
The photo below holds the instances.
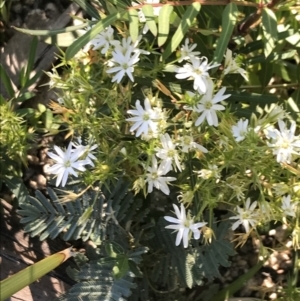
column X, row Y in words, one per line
column 270, row 86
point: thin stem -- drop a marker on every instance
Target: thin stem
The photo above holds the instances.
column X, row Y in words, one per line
column 269, row 86
column 202, row 2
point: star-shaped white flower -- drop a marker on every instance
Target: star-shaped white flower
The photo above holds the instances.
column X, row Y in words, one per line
column 208, row 105
column 288, row 207
column 144, row 119
column 122, row 64
column 155, row 178
column 65, row 164
column 198, row 71
column 246, row 216
column 284, row 142
column 168, row 153
column 183, row 225
column 186, row 51
column 240, row 130
column 231, row 66
column 86, row 151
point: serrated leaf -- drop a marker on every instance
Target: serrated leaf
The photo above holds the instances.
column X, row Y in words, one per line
column 164, row 23
column 269, row 27
column 186, row 22
column 229, row 19
column 133, row 24
column 150, row 18
column 88, row 36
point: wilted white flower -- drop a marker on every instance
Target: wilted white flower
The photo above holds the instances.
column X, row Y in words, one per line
column 288, row 207
column 127, row 45
column 231, row 65
column 208, row 105
column 65, row 164
column 246, row 216
column 212, row 172
column 168, row 153
column 122, row 64
column 198, row 71
column 240, row 130
column 183, row 224
column 187, row 143
column 284, row 142
column 144, row 119
column 155, row 178
column 186, row 51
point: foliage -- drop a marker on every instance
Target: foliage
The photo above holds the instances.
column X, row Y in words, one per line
column 153, row 120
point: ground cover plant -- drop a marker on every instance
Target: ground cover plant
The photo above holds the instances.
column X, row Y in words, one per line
column 180, row 122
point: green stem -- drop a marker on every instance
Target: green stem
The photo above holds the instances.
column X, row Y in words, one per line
column 270, row 86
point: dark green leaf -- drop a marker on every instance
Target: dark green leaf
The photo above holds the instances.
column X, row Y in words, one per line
column 7, row 82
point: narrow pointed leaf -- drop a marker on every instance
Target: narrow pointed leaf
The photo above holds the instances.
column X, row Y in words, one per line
column 6, row 81
column 150, row 18
column 88, row 8
column 52, row 32
column 269, row 26
column 229, row 20
column 164, row 23
column 133, row 24
column 83, row 40
column 16, row 282
column 266, row 73
column 182, row 29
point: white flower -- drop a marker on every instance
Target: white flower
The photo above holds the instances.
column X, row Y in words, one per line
column 208, row 105
column 155, row 178
column 187, row 143
column 284, row 142
column 86, row 151
column 240, row 130
column 288, row 207
column 198, row 71
column 141, row 15
column 246, row 216
column 183, row 225
column 186, row 51
column 231, row 66
column 144, row 119
column 65, row 163
column 212, row 172
column 168, row 153
column 122, row 63
column 127, row 45
column 103, row 40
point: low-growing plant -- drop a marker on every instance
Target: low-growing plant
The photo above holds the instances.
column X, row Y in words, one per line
column 189, row 106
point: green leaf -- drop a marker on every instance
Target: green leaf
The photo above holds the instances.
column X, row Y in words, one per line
column 7, row 82
column 266, row 73
column 83, row 40
column 53, row 32
column 121, row 268
column 229, row 19
column 31, row 60
column 18, row 188
column 294, row 39
column 269, row 27
column 133, row 24
column 88, row 8
column 150, row 18
column 164, row 23
column 182, row 29
column 294, row 101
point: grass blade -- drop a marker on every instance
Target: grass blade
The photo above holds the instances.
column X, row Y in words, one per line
column 6, row 82
column 164, row 23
